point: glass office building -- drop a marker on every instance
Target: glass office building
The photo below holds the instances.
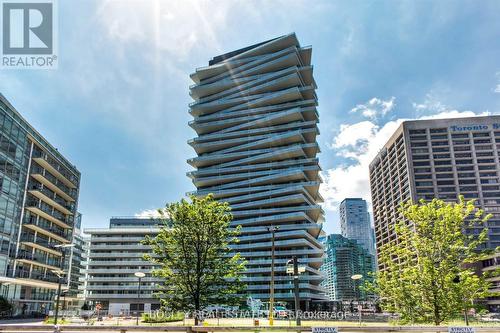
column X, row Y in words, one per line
column 345, row 258
column 256, row 122
column 38, row 205
column 442, row 158
column 355, row 223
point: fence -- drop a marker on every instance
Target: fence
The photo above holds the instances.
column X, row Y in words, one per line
column 208, row 329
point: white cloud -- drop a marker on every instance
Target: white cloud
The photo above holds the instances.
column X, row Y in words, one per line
column 152, row 213
column 361, row 142
column 455, row 114
column 435, row 109
column 375, row 107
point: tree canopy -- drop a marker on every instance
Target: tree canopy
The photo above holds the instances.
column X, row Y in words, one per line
column 194, row 256
column 427, row 273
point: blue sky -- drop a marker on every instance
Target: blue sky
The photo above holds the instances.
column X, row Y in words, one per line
column 117, row 104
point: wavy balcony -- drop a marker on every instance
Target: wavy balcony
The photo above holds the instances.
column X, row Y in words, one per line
column 254, row 113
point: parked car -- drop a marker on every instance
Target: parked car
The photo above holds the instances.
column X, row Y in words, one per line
column 279, row 312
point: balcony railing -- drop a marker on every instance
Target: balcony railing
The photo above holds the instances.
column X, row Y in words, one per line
column 30, row 256
column 32, row 202
column 25, row 274
column 40, row 241
column 42, row 259
column 56, row 165
column 42, row 223
column 52, row 195
column 35, row 169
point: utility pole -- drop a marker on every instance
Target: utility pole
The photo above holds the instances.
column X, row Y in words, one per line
column 296, row 289
column 272, row 229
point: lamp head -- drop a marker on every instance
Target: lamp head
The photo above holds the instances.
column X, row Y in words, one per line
column 140, row 275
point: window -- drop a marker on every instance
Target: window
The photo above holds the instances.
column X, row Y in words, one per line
column 441, row 156
column 466, row 175
column 423, row 183
column 488, row 174
column 444, row 169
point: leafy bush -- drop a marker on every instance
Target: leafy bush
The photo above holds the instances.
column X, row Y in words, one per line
column 5, row 306
column 159, row 317
column 60, row 321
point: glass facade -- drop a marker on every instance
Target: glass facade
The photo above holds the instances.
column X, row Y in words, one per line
column 38, row 202
column 355, row 223
column 345, row 258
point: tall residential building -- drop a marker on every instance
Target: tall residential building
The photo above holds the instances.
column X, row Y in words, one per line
column 355, row 223
column 114, row 255
column 38, row 204
column 426, row 159
column 255, row 116
column 345, row 258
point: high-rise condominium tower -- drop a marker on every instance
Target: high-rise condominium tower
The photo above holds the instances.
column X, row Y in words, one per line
column 355, row 223
column 345, row 258
column 38, row 203
column 255, row 116
column 444, row 158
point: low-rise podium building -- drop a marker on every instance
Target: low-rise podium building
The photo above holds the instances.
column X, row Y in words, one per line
column 114, row 255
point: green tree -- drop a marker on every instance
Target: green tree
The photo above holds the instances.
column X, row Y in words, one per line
column 5, row 305
column 194, row 256
column 428, row 274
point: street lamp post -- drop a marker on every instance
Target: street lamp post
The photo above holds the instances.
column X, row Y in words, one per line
column 296, row 288
column 356, row 278
column 456, row 280
column 272, row 230
column 60, row 275
column 139, row 275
